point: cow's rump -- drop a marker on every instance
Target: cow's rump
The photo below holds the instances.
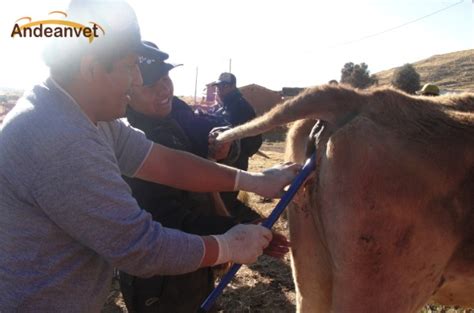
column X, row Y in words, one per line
column 386, row 222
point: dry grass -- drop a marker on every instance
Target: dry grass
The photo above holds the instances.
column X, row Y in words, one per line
column 266, row 286
column 452, row 71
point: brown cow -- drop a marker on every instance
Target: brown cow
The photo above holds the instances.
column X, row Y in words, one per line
column 387, row 222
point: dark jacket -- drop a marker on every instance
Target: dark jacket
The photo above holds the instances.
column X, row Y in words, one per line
column 174, row 208
column 236, row 110
column 196, row 126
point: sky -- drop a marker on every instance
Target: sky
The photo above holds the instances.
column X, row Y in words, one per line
column 275, row 44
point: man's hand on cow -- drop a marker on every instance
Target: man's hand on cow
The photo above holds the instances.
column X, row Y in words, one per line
column 216, row 130
column 218, row 151
column 271, row 182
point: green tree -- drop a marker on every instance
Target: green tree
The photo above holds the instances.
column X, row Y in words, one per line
column 357, row 75
column 406, row 78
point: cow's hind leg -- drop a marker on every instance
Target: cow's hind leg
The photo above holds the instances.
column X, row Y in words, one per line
column 310, row 263
column 311, row 269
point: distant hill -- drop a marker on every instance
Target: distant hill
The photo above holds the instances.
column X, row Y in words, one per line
column 450, row 71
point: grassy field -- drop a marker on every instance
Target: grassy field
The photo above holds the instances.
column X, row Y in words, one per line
column 452, row 71
column 266, row 286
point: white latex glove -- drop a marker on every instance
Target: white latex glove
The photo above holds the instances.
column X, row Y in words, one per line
column 243, row 243
column 269, row 183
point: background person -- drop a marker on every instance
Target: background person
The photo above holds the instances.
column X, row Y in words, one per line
column 236, row 110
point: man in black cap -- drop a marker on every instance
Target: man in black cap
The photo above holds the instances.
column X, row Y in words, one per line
column 167, row 120
column 236, row 110
column 67, row 216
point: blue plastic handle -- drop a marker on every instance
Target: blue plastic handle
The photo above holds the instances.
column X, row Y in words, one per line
column 308, row 167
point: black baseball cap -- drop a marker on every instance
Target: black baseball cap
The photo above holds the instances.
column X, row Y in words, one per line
column 225, row 78
column 151, row 62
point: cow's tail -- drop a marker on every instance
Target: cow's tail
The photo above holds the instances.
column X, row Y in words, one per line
column 334, row 104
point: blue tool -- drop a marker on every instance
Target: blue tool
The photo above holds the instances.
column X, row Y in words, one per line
column 308, row 167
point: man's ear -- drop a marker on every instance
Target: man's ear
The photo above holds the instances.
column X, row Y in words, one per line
column 89, row 68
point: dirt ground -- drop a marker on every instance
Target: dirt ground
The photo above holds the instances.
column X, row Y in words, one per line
column 267, row 285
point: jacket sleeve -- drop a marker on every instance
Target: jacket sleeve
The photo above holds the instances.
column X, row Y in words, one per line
column 250, row 145
column 195, row 126
column 245, row 113
column 175, row 209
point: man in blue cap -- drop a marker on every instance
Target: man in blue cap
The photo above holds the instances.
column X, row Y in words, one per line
column 67, row 217
column 234, row 108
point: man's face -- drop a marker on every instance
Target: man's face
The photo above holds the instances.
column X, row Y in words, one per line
column 114, row 87
column 223, row 90
column 154, row 100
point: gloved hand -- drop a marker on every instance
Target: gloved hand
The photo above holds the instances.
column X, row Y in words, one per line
column 243, row 243
column 279, row 246
column 270, row 182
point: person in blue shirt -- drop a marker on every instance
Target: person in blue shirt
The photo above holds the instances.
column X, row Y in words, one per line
column 236, row 110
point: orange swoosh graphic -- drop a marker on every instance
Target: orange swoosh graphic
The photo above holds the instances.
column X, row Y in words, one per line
column 23, row 18
column 60, row 12
column 100, row 27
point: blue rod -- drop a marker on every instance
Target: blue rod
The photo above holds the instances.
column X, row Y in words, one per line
column 308, row 167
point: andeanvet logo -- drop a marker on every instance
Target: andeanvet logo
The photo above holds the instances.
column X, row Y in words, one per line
column 65, row 29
